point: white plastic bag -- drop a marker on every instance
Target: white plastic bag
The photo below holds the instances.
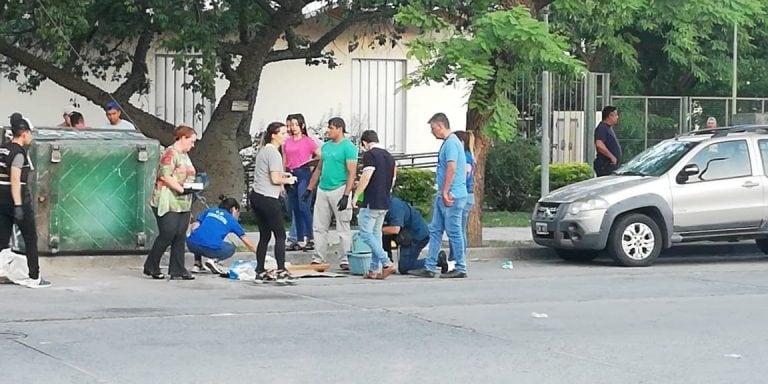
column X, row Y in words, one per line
column 242, row 270
column 13, row 266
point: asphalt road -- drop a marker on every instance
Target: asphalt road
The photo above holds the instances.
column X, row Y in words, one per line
column 693, row 319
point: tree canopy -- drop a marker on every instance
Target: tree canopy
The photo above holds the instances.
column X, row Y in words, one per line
column 86, row 46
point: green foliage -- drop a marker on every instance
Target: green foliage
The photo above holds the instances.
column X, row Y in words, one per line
column 487, row 44
column 562, row 174
column 663, row 47
column 417, row 187
column 509, row 174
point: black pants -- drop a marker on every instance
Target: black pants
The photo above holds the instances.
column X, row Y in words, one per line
column 172, row 229
column 269, row 214
column 28, row 233
column 603, row 166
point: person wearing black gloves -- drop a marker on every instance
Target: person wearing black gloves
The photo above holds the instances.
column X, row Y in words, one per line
column 172, row 203
column 334, row 178
column 16, row 199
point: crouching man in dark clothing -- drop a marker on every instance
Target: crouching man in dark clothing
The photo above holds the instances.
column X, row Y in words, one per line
column 404, row 225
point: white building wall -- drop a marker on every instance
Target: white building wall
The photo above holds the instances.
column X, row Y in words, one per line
column 286, row 87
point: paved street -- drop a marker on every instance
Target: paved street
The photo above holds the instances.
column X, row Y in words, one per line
column 685, row 320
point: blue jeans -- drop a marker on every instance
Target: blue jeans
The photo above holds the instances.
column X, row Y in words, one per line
column 464, row 222
column 409, row 256
column 447, row 219
column 369, row 223
column 225, row 252
column 301, row 214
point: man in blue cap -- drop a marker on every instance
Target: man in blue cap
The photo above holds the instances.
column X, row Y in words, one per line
column 114, row 116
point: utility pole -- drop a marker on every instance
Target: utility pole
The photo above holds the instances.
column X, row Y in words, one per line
column 735, row 68
column 546, row 120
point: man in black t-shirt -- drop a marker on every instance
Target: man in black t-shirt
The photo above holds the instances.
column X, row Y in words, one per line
column 375, row 186
column 607, row 149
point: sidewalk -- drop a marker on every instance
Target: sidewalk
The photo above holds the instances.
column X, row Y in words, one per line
column 505, row 243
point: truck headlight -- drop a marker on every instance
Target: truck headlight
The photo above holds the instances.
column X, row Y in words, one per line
column 587, row 205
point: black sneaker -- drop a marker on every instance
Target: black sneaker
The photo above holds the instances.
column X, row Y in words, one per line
column 442, row 262
column 285, row 278
column 293, row 247
column 266, row 277
column 453, row 275
column 310, row 246
column 423, row 273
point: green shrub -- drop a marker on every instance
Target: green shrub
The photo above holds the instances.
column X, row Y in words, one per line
column 416, row 187
column 509, row 174
column 562, row 174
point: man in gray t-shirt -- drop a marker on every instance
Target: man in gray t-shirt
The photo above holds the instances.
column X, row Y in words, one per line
column 268, row 160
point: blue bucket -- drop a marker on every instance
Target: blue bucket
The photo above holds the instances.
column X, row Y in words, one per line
column 359, row 262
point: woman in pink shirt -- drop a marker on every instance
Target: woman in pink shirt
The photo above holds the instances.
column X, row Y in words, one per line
column 298, row 149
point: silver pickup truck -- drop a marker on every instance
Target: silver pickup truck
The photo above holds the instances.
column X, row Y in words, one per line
column 708, row 185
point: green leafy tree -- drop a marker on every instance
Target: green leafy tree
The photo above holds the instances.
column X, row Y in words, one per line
column 83, row 44
column 488, row 45
column 678, row 47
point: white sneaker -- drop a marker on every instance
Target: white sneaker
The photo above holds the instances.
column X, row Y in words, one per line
column 35, row 283
column 213, row 266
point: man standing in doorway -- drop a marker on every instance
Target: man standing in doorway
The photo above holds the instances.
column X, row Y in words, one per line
column 114, row 116
column 449, row 202
column 608, row 151
column 334, row 177
column 375, row 186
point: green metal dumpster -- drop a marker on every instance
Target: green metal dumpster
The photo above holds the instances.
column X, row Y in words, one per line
column 91, row 190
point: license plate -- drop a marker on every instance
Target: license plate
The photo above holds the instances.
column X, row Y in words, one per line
column 541, row 229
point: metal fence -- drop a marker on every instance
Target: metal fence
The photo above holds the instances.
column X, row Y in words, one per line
column 647, row 120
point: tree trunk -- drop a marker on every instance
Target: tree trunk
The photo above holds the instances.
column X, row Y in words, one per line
column 475, row 123
column 218, row 153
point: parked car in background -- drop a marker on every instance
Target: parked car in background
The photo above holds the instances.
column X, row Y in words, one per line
column 708, row 185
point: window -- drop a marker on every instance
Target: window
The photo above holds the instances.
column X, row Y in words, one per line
column 175, row 104
column 723, row 160
column 378, row 100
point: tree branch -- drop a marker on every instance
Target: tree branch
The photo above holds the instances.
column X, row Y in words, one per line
column 137, row 79
column 264, row 4
column 226, row 66
column 315, row 49
column 149, row 124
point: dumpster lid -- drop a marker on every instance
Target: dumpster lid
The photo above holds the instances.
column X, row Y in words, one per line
column 57, row 133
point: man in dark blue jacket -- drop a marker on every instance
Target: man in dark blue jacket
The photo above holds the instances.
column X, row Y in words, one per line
column 404, row 225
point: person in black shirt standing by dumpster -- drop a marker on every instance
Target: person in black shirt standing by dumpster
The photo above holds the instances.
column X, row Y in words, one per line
column 16, row 199
column 607, row 149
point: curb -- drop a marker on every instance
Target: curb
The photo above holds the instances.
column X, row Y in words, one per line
column 517, row 251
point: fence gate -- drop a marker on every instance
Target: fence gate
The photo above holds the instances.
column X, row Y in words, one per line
column 574, row 111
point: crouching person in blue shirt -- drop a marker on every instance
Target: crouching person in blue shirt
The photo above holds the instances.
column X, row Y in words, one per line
column 404, row 225
column 210, row 229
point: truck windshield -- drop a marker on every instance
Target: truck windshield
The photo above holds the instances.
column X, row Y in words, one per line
column 656, row 160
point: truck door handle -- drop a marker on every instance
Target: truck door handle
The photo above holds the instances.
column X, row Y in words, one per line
column 750, row 184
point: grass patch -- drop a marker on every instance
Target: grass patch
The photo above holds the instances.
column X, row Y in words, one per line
column 506, row 219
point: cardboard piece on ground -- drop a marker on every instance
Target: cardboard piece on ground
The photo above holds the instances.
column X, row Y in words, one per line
column 312, row 270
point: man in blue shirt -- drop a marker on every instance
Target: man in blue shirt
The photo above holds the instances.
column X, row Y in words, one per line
column 449, row 202
column 404, row 224
column 608, row 151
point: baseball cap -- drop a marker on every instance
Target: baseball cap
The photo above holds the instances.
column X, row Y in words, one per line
column 111, row 105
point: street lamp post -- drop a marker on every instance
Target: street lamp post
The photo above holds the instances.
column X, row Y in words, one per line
column 546, row 121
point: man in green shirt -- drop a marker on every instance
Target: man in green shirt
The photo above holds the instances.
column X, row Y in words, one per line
column 335, row 172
